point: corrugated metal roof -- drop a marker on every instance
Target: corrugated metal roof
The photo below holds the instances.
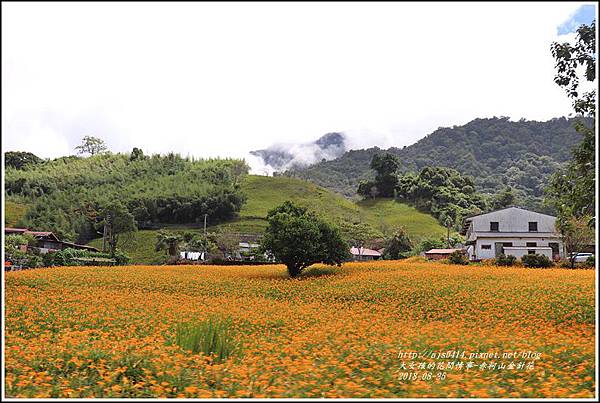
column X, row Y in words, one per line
column 364, row 252
column 77, row 246
column 34, row 233
column 8, row 229
column 442, row 251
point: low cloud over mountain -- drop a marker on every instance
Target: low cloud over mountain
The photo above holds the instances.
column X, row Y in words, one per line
column 281, row 157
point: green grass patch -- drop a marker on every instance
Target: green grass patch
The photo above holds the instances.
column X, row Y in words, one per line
column 265, row 193
column 212, row 337
column 139, row 246
column 387, row 213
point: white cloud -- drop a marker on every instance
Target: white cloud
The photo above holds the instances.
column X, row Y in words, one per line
column 210, row 79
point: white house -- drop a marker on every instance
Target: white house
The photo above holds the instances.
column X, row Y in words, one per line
column 512, row 231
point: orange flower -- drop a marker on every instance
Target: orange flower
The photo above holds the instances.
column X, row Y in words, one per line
column 335, row 335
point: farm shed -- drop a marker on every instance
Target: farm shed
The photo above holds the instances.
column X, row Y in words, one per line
column 364, row 254
column 438, row 254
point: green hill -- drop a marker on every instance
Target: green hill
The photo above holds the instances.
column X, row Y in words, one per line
column 68, row 195
column 264, row 193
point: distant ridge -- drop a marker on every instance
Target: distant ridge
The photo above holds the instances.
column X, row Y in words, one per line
column 496, row 152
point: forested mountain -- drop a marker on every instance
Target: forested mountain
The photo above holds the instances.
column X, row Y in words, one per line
column 496, row 152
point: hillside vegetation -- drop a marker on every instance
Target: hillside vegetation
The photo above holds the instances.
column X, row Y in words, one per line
column 496, row 152
column 264, row 193
column 139, row 246
column 67, row 195
column 14, row 212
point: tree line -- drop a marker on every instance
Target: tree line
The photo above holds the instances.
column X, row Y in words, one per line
column 442, row 192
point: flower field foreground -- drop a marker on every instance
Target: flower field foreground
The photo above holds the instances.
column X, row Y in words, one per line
column 334, row 332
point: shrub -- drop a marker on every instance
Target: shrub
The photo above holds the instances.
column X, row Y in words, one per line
column 16, row 240
column 48, row 259
column 458, row 257
column 33, row 261
column 70, row 257
column 564, row 263
column 121, row 257
column 535, row 260
column 212, row 337
column 505, row 260
column 590, row 261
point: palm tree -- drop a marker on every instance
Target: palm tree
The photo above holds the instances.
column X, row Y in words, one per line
column 168, row 241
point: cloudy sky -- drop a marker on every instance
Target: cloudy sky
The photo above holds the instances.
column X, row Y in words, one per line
column 222, row 79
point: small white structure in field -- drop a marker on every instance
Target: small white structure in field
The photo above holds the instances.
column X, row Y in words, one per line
column 248, row 246
column 512, row 231
column 191, row 255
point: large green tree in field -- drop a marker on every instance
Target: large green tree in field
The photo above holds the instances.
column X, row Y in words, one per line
column 572, row 189
column 299, row 239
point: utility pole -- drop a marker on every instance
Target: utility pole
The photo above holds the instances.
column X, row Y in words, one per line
column 448, row 224
column 109, row 231
column 104, row 238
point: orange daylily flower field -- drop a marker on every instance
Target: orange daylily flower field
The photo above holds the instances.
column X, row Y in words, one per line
column 334, row 332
